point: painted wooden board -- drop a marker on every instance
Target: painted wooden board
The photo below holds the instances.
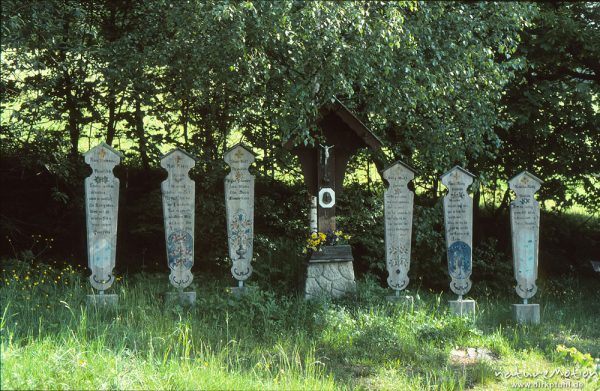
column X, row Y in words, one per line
column 239, row 205
column 178, row 199
column 102, row 209
column 398, row 210
column 525, row 227
column 458, row 221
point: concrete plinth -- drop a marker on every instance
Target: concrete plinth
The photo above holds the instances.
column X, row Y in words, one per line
column 403, row 300
column 184, row 299
column 108, row 300
column 462, row 307
column 526, row 313
column 239, row 291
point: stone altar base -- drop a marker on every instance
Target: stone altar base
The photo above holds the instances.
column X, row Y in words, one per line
column 526, row 313
column 462, row 307
column 332, row 279
column 330, row 272
column 184, row 299
column 108, row 300
column 403, row 300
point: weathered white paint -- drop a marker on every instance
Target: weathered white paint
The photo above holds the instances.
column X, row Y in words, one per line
column 239, row 204
column 398, row 208
column 102, row 209
column 525, row 226
column 178, row 199
column 458, row 220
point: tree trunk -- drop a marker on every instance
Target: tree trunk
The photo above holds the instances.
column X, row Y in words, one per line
column 184, row 121
column 74, row 117
column 111, row 125
column 139, row 130
column 477, row 234
column 503, row 204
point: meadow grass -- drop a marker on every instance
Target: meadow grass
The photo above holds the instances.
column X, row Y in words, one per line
column 267, row 340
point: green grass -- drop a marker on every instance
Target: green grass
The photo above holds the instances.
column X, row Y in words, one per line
column 52, row 340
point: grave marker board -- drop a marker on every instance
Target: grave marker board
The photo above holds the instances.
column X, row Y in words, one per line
column 525, row 226
column 239, row 204
column 398, row 211
column 178, row 200
column 102, row 209
column 458, row 220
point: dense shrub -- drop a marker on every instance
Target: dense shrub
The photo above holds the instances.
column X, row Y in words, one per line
column 43, row 217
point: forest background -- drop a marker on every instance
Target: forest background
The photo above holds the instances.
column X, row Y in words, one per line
column 494, row 87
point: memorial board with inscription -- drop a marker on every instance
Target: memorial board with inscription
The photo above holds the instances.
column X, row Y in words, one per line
column 102, row 208
column 239, row 204
column 178, row 199
column 525, row 226
column 398, row 210
column 458, row 221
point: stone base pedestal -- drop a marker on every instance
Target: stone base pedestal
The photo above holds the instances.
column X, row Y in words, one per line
column 331, row 279
column 462, row 307
column 405, row 301
column 184, row 299
column 108, row 300
column 526, row 313
column 330, row 273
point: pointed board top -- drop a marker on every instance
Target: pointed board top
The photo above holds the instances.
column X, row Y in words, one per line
column 179, row 150
column 515, row 178
column 104, row 145
column 457, row 167
column 239, row 157
column 240, row 145
column 400, row 162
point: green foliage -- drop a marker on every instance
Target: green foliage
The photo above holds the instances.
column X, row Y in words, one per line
column 551, row 106
column 574, row 355
column 493, row 266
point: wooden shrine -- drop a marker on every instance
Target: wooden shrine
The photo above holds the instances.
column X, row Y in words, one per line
column 340, row 135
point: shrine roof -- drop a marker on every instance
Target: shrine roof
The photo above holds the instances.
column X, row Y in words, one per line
column 351, row 122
